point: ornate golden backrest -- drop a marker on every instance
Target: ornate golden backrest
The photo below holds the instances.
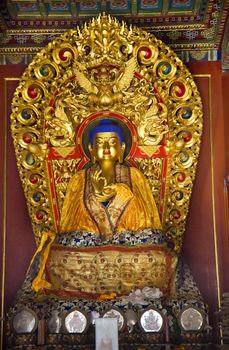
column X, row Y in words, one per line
column 107, row 69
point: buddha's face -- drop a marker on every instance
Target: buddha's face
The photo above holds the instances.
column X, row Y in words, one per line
column 106, row 147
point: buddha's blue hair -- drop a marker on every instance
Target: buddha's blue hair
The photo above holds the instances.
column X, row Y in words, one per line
column 106, row 125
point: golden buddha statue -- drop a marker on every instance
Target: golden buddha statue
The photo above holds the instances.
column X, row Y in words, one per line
column 104, row 202
column 109, row 197
column 107, row 235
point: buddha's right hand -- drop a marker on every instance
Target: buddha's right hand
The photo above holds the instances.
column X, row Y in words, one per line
column 103, row 192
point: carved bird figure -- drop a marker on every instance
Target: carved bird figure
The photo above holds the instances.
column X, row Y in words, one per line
column 106, row 91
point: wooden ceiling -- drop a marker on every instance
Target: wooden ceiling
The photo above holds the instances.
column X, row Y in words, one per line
column 195, row 29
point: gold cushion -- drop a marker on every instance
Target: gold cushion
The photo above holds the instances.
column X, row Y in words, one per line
column 91, row 271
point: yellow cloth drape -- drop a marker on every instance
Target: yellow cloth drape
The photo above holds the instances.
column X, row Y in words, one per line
column 38, row 282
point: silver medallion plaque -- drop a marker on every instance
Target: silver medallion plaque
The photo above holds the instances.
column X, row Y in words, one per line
column 75, row 322
column 151, row 320
column 25, row 321
column 191, row 319
column 114, row 313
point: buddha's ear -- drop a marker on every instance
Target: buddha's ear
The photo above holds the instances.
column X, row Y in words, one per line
column 123, row 147
column 121, row 156
column 90, row 148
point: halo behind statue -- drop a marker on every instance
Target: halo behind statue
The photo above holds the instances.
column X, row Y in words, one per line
column 107, row 69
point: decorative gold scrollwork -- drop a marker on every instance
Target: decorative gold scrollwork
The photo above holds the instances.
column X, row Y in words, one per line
column 46, row 70
column 64, row 54
column 33, row 91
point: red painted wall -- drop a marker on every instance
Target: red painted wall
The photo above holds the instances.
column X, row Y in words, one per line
column 19, row 240
column 206, row 241
column 225, row 95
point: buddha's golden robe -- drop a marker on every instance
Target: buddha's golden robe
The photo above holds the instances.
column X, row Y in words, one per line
column 91, row 271
column 132, row 209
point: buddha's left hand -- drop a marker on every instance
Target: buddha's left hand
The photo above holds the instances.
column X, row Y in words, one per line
column 107, row 193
